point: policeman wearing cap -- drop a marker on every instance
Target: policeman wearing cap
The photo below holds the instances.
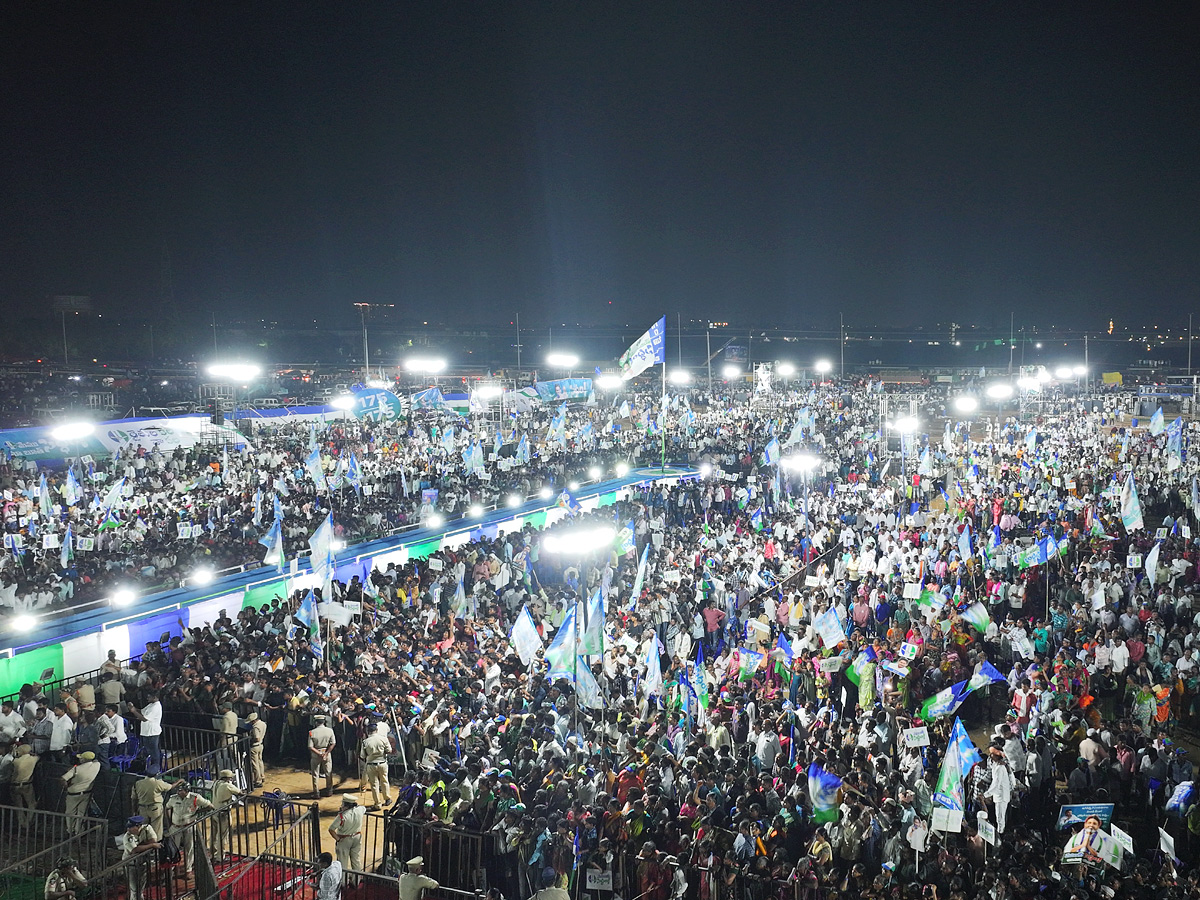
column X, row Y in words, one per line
column 320, row 755
column 62, row 883
column 185, row 808
column 224, row 794
column 258, row 740
column 79, row 779
column 346, row 830
column 413, row 883
column 138, row 839
column 374, row 752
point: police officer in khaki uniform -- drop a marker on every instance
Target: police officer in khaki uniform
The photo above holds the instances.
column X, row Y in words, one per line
column 224, row 794
column 22, row 782
column 258, row 740
column 79, row 779
column 138, row 839
column 185, row 808
column 148, row 794
column 320, row 752
column 374, row 752
column 346, row 829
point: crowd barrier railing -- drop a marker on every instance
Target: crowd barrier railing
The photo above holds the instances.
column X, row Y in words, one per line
column 25, row 833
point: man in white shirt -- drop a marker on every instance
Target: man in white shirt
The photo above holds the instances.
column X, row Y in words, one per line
column 12, row 723
column 110, row 735
column 329, row 877
column 63, row 732
column 150, row 732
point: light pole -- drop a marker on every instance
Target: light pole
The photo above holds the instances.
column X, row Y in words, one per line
column 235, row 373
column 823, row 367
column 567, row 361
column 904, row 426
column 803, row 463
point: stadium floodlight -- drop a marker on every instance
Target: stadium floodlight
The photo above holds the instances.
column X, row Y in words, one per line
column 594, row 473
column 514, row 500
column 488, row 391
column 23, row 623
column 234, row 371
column 609, row 382
column 785, row 369
column 1029, row 383
column 731, row 371
column 202, row 576
column 680, row 376
column 622, row 469
column 965, row 403
column 425, row 365
column 573, row 486
column 823, row 366
column 435, row 520
column 705, row 470
column 345, row 402
column 545, row 493
column 906, row 425
column 999, row 391
column 73, row 431
column 562, row 360
column 578, row 540
column 123, row 597
column 800, row 462
column 377, row 383
column 1079, row 371
column 476, row 510
column 1064, row 373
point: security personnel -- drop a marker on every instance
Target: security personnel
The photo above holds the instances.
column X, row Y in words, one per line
column 229, row 725
column 224, row 794
column 64, row 880
column 148, row 793
column 414, row 882
column 258, row 740
column 346, row 829
column 22, row 782
column 320, row 755
column 138, row 839
column 374, row 752
column 185, row 808
column 79, row 779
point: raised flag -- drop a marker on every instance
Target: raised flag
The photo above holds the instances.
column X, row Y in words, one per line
column 987, row 674
column 1152, row 563
column 273, row 541
column 1131, row 507
column 321, row 544
column 944, row 702
column 748, row 663
column 1156, row 422
column 624, row 542
column 640, row 579
column 312, row 465
column 977, row 616
column 67, row 552
column 771, row 453
column 592, row 632
column 823, row 790
column 653, row 681
column 829, row 627
column 525, row 638
column 648, row 350
column 858, row 667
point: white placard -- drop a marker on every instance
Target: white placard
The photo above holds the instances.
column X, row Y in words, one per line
column 1166, row 843
column 832, row 664
column 1160, row 534
column 599, row 881
column 1121, row 837
column 435, row 565
column 912, row 590
column 1133, row 561
column 354, row 607
column 50, row 541
column 916, row 737
column 85, row 544
column 430, row 758
column 987, row 831
column 947, row 820
column 485, row 476
column 812, row 581
column 1186, row 531
column 918, row 835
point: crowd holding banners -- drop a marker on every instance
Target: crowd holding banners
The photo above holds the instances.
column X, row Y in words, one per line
column 756, row 689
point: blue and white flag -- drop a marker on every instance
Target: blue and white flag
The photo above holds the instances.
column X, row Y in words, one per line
column 277, row 507
column 640, row 579
column 771, row 453
column 1156, row 422
column 67, row 552
column 525, row 638
column 823, row 790
column 321, row 544
column 312, row 465
column 653, row 681
column 829, row 627
column 354, row 473
column 648, row 350
column 625, row 542
column 44, row 496
column 1131, row 507
column 273, row 541
column 72, row 494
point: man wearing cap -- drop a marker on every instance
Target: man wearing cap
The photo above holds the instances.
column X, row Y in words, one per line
column 413, row 882
column 79, row 779
column 258, row 739
column 320, row 755
column 346, row 830
column 148, row 793
column 64, row 880
column 184, row 809
column 374, row 752
column 138, row 839
column 224, row 793
column 22, row 782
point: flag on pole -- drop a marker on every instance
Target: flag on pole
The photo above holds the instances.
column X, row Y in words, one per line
column 1156, row 422
column 592, row 634
column 1152, row 563
column 625, row 542
column 277, row 507
column 321, row 544
column 823, row 789
column 1131, row 507
column 256, row 506
column 67, row 553
column 563, row 648
column 312, row 465
column 640, row 579
column 273, row 541
column 987, row 674
column 859, row 666
column 44, row 496
column 648, row 350
column 653, row 681
column 72, row 494
column 771, row 453
column 944, row 702
column 977, row 616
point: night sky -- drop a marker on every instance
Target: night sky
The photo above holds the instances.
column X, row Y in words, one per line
column 766, row 163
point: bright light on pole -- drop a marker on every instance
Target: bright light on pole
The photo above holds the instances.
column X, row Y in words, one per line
column 435, row 520
column 578, row 540
column 123, row 597
column 823, row 366
column 800, row 462
column 705, row 470
column 609, row 382
column 906, row 424
column 345, row 402
column 562, row 360
column 731, row 371
column 514, row 500
column 488, row 391
column 1079, row 371
column 425, row 365
column 240, row 372
column 1029, row 383
column 785, row 369
column 1064, row 373
column 965, row 403
column 680, row 376
column 73, row 431
column 999, row 391
column 545, row 493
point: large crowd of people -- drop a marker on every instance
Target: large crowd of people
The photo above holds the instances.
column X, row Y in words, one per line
column 810, row 669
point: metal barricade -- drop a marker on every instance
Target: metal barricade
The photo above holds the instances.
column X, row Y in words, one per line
column 453, row 858
column 27, row 833
column 283, row 861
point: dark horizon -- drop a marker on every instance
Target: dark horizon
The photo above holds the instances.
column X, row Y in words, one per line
column 606, row 164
